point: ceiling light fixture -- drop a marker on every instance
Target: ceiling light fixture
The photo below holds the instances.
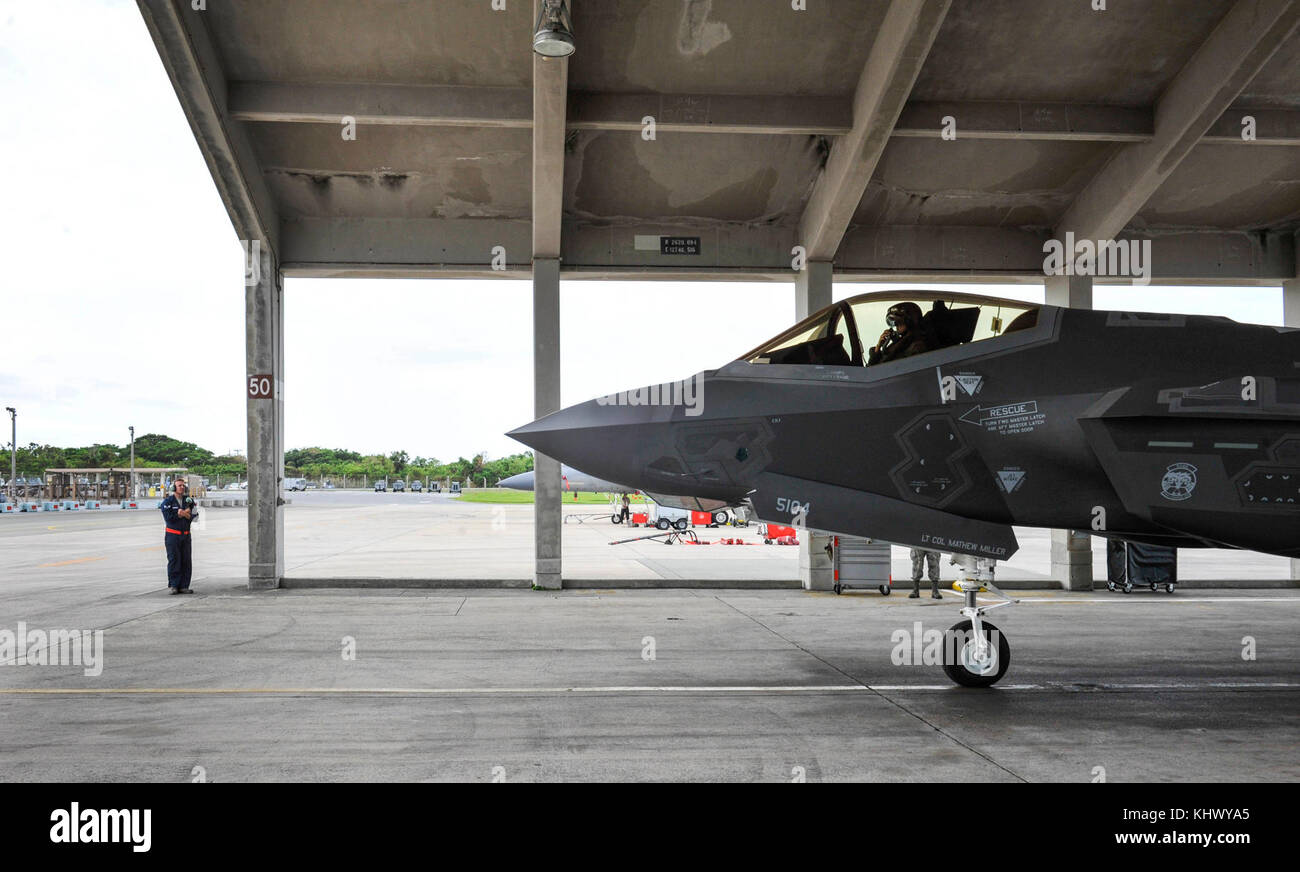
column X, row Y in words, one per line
column 554, row 36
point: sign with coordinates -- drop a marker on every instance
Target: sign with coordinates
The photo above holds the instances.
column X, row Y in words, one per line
column 679, row 245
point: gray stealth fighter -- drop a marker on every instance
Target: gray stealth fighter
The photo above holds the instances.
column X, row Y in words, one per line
column 570, row 479
column 1165, row 429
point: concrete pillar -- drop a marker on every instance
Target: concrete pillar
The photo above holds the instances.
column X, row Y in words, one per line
column 548, row 521
column 1072, row 559
column 812, row 292
column 264, row 353
column 1291, row 318
column 812, row 288
column 1072, row 292
column 1071, row 549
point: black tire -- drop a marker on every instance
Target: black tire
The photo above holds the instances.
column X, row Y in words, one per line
column 1128, row 588
column 681, row 524
column 885, row 590
column 719, row 518
column 1169, row 588
column 767, row 541
column 662, row 524
column 616, row 519
column 965, row 677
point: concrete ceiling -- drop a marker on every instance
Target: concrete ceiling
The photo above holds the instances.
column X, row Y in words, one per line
column 775, row 128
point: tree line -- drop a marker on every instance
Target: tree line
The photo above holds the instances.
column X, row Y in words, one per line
column 316, row 463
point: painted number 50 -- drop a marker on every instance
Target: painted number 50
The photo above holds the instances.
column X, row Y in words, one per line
column 259, row 387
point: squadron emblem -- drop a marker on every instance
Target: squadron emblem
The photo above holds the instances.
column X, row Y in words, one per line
column 1179, row 482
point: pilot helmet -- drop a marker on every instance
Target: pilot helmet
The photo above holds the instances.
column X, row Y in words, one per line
column 903, row 313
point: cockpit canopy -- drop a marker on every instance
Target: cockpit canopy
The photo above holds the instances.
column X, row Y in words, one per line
column 844, row 333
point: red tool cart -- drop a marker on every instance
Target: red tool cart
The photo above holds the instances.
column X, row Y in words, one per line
column 778, row 534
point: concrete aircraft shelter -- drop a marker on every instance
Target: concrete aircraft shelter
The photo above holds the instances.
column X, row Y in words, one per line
column 918, row 140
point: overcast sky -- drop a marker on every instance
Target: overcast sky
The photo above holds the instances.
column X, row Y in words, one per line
column 123, row 299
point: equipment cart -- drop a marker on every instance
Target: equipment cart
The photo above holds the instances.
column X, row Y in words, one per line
column 1132, row 564
column 861, row 564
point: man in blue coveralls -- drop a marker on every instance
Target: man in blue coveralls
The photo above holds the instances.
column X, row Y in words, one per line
column 178, row 513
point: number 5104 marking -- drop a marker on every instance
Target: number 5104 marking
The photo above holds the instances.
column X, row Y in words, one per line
column 793, row 506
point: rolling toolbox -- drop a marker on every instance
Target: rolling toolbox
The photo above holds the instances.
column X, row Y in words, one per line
column 861, row 564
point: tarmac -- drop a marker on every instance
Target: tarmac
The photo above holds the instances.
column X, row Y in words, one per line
column 440, row 542
column 599, row 684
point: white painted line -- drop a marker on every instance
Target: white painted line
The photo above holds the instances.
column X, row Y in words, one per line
column 621, row 689
column 1165, row 599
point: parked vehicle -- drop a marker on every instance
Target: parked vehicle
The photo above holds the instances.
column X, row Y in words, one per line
column 434, row 487
column 416, row 486
column 399, row 486
column 311, row 485
column 380, row 487
column 296, row 484
column 667, row 516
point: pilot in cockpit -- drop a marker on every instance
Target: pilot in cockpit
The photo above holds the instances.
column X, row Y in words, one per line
column 905, row 336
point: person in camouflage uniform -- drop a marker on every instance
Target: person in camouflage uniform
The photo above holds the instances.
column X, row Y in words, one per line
column 920, row 557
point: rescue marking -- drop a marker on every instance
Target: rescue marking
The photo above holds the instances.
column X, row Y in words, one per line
column 1006, row 420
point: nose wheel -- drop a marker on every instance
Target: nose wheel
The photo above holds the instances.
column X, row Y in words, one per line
column 975, row 661
column 976, row 653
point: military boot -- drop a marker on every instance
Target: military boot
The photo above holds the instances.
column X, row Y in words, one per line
column 916, row 589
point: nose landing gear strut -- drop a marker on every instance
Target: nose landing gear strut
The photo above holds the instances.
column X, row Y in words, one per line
column 976, row 654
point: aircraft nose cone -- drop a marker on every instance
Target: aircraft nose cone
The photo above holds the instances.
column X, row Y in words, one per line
column 660, row 447
column 602, row 440
column 522, row 481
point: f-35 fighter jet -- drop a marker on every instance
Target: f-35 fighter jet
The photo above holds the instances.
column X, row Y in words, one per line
column 967, row 416
column 570, row 480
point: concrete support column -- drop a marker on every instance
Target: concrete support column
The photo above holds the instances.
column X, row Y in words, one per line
column 1071, row 549
column 812, row 288
column 812, row 292
column 1072, row 292
column 548, row 521
column 1291, row 318
column 1072, row 559
column 264, row 353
